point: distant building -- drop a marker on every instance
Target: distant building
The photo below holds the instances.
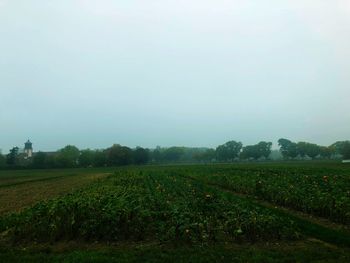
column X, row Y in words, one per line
column 28, row 150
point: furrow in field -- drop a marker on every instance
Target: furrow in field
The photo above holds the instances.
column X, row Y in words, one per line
column 321, row 193
column 326, row 231
column 15, row 199
column 35, row 180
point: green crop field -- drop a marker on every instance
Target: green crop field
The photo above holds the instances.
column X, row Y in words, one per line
column 272, row 212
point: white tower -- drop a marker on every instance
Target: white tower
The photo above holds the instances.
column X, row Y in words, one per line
column 28, row 149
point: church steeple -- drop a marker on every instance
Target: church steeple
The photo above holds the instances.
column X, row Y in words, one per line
column 28, row 149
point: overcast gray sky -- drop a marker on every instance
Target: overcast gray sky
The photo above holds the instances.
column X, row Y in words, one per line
column 173, row 72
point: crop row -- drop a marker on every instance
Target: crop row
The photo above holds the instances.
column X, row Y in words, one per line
column 321, row 193
column 153, row 204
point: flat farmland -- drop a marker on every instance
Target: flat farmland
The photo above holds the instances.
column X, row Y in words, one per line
column 20, row 189
column 272, row 212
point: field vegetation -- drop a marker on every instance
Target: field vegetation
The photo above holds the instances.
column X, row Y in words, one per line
column 247, row 212
column 22, row 188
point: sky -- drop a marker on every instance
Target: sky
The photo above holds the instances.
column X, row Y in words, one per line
column 173, row 72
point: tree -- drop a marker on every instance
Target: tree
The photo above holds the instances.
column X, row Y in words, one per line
column 264, row 149
column 68, row 156
column 206, row 156
column 325, row 152
column 2, row 161
column 100, row 158
column 256, row 151
column 172, row 154
column 156, row 154
column 12, row 157
column 40, row 160
column 345, row 150
column 302, row 148
column 309, row 149
column 288, row 148
column 140, row 155
column 341, row 147
column 312, row 150
column 228, row 151
column 119, row 155
column 86, row 158
column 250, row 151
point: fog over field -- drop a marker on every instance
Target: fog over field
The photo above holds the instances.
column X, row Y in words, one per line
column 173, row 72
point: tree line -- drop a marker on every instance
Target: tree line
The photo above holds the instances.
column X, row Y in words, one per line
column 293, row 150
column 118, row 155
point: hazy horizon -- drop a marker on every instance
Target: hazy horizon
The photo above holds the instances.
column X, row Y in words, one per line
column 185, row 73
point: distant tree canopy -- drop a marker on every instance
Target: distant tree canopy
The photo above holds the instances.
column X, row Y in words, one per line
column 172, row 154
column 40, row 160
column 205, row 156
column 156, row 154
column 228, row 151
column 292, row 150
column 2, row 161
column 345, row 151
column 12, row 157
column 117, row 155
column 140, row 155
column 262, row 149
column 86, row 158
column 342, row 147
column 250, row 151
column 326, row 152
column 67, row 157
column 100, row 158
column 312, row 150
column 288, row 148
column 181, row 154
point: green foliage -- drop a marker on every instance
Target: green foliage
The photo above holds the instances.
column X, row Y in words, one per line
column 118, row 155
column 12, row 157
column 326, row 152
column 100, row 158
column 140, row 155
column 288, row 148
column 181, row 154
column 228, row 151
column 173, row 154
column 302, row 148
column 2, row 161
column 67, row 157
column 319, row 191
column 343, row 148
column 156, row 154
column 250, row 151
column 345, row 151
column 40, row 160
column 309, row 149
column 311, row 251
column 312, row 150
column 206, row 156
column 86, row 158
column 262, row 149
column 150, row 204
